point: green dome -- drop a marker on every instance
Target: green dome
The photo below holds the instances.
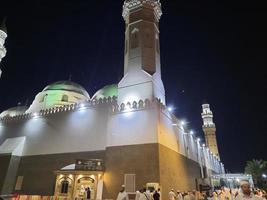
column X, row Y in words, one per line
column 67, row 86
column 107, row 91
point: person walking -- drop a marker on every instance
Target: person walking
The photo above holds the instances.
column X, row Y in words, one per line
column 156, row 195
column 88, row 193
column 187, row 196
column 143, row 195
column 246, row 192
column 123, row 194
column 172, row 195
column 137, row 194
column 193, row 195
column 179, row 195
column 148, row 194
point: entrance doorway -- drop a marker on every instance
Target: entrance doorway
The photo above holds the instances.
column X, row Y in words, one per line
column 78, row 185
column 85, row 188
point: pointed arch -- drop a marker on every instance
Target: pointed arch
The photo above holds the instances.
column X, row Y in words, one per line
column 134, row 38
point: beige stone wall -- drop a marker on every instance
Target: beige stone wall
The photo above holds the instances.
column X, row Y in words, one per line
column 176, row 171
column 11, row 175
column 38, row 171
column 4, row 163
column 142, row 160
column 149, row 162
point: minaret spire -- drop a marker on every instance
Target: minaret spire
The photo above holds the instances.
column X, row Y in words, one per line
column 142, row 70
column 209, row 129
column 3, row 36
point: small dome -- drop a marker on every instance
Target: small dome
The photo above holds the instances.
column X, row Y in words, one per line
column 11, row 112
column 107, row 91
column 67, row 86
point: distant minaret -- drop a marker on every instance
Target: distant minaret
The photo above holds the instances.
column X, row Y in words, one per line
column 142, row 70
column 3, row 36
column 209, row 129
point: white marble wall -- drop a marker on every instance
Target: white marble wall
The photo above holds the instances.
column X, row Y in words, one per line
column 95, row 128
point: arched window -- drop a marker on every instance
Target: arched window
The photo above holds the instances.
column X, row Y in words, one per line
column 42, row 99
column 64, row 187
column 65, row 98
column 134, row 38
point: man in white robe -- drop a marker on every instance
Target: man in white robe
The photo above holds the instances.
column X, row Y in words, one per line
column 172, row 195
column 123, row 194
column 246, row 192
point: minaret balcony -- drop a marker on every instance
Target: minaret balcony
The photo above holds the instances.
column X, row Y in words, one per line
column 205, row 115
column 133, row 4
column 209, row 126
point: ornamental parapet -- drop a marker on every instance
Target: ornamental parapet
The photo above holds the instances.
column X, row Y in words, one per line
column 209, row 126
column 105, row 102
column 134, row 106
column 132, row 4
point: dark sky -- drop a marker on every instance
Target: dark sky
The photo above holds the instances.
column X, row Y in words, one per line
column 212, row 50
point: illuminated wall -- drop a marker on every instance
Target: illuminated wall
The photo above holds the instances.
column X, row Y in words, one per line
column 98, row 127
column 132, row 127
column 79, row 131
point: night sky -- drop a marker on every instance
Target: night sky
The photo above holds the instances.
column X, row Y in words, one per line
column 211, row 51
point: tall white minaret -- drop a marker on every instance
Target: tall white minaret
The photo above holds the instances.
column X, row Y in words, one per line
column 142, row 73
column 209, row 129
column 3, row 36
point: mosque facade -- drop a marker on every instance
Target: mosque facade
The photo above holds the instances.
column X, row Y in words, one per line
column 67, row 141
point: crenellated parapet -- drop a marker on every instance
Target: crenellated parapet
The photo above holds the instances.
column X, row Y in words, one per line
column 110, row 103
column 135, row 105
column 133, row 4
column 105, row 102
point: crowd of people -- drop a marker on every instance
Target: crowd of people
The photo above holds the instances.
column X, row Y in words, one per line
column 245, row 192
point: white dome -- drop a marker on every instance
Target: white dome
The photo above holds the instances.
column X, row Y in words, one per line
column 59, row 94
column 12, row 112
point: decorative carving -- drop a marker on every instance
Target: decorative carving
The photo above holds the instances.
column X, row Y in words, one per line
column 122, row 107
column 134, row 38
column 134, row 105
column 110, row 103
column 131, row 4
column 141, row 104
column 147, row 103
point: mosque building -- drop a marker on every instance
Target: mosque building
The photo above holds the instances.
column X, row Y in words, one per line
column 67, row 140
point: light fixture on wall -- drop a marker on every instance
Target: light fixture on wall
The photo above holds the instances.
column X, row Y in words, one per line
column 35, row 115
column 170, row 108
column 183, row 122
